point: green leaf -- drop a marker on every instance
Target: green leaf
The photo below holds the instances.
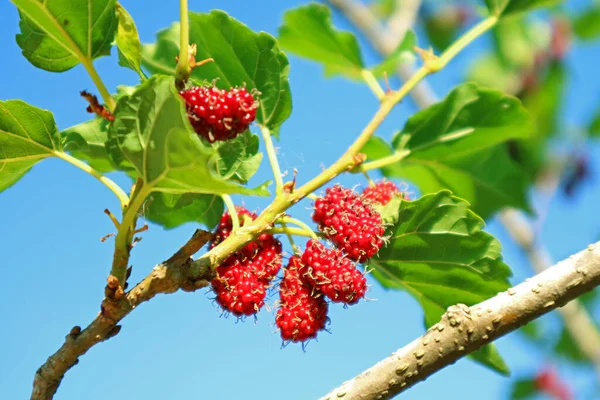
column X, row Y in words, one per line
column 128, row 42
column 87, row 141
column 517, row 41
column 490, row 71
column 152, row 133
column 442, row 27
column 523, row 389
column 237, row 159
column 403, row 53
column 173, row 210
column 27, row 135
column 586, row 25
column 567, row 348
column 469, row 119
column 507, row 7
column 454, row 145
column 242, row 57
column 307, row 32
column 594, row 127
column 389, row 212
column 439, row 254
column 56, row 35
column 544, row 101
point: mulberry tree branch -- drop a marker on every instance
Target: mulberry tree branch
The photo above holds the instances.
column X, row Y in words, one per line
column 577, row 320
column 464, row 329
column 167, row 277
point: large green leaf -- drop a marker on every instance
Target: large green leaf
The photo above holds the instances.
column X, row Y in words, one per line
column 27, row 135
column 56, row 35
column 454, row 145
column 587, row 24
column 237, row 159
column 439, row 253
column 469, row 119
column 128, row 42
column 151, row 133
column 173, row 210
column 307, row 31
column 241, row 57
column 506, row 7
column 87, row 141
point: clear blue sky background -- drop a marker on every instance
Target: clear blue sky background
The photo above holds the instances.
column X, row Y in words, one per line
column 54, row 266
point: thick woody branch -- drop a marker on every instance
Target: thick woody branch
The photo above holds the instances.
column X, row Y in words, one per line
column 168, row 277
column 464, row 329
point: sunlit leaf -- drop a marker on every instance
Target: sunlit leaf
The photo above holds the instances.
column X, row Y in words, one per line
column 128, row 42
column 86, row 141
column 439, row 253
column 151, row 132
column 241, row 57
column 56, row 35
column 237, row 159
column 308, row 32
column 456, row 145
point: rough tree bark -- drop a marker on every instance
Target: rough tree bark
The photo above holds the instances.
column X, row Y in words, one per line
column 464, row 329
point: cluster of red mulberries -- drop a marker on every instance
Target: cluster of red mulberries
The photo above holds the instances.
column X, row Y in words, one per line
column 349, row 222
column 218, row 114
column 243, row 278
column 311, row 279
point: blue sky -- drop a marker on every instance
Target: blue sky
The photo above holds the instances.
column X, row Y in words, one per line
column 54, row 266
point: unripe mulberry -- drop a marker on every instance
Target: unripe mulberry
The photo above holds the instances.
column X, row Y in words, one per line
column 218, row 114
column 333, row 274
column 303, row 310
column 381, row 193
column 350, row 223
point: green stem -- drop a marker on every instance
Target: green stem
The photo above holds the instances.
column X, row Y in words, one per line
column 91, row 70
column 116, row 189
column 346, row 162
column 291, row 231
column 290, row 237
column 235, row 221
column 368, row 178
column 266, row 134
column 382, row 162
column 297, row 222
column 124, row 237
column 183, row 69
column 462, row 42
column 373, row 84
